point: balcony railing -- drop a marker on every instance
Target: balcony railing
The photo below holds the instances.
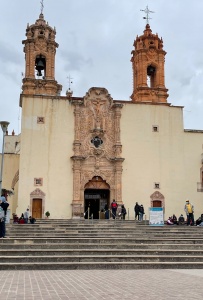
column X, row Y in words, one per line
column 200, row 186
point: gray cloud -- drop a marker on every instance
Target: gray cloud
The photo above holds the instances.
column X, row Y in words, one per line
column 95, row 42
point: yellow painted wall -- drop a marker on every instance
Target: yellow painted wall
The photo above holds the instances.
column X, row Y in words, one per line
column 170, row 157
column 45, row 153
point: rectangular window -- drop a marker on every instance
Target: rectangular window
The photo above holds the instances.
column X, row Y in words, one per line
column 156, row 185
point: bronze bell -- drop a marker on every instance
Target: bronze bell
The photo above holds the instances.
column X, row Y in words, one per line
column 150, row 70
column 39, row 67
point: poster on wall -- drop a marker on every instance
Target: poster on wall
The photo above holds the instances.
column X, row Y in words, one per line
column 156, row 216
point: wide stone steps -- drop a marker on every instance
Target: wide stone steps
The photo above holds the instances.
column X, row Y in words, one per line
column 102, row 258
column 98, row 252
column 83, row 244
column 99, row 265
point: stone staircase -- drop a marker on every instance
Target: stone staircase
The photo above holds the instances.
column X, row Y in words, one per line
column 100, row 244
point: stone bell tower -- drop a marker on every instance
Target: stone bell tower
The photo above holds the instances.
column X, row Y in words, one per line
column 148, row 60
column 40, row 50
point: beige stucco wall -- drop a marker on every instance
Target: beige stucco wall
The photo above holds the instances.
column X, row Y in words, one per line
column 170, row 157
column 11, row 167
column 45, row 153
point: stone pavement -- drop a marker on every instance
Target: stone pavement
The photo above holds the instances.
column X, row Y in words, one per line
column 102, row 284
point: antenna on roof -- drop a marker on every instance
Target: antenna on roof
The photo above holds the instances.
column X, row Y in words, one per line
column 147, row 11
column 42, row 6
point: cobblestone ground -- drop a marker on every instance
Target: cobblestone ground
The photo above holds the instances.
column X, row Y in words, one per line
column 102, row 284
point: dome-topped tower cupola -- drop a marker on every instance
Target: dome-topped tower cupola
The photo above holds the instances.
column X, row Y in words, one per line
column 40, row 50
column 148, row 68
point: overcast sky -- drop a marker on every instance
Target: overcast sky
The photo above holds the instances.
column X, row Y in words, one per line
column 95, row 42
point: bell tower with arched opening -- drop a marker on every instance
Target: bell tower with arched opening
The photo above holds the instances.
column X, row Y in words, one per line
column 40, row 50
column 148, row 60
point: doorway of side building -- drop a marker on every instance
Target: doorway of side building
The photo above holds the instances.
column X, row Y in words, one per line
column 37, row 208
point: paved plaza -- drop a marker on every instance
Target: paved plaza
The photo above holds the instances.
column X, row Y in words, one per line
column 102, row 284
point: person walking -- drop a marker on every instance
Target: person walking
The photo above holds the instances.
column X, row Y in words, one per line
column 114, row 207
column 137, row 211
column 189, row 210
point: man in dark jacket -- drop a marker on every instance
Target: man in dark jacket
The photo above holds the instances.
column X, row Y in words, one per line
column 137, row 211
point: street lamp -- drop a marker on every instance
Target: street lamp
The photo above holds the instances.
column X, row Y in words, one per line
column 4, row 126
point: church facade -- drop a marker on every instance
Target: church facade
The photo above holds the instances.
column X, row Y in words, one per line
column 80, row 152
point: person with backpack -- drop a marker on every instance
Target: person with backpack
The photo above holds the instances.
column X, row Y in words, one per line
column 114, row 207
column 189, row 210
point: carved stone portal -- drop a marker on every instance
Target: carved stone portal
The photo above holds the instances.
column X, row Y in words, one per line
column 97, row 146
column 157, row 197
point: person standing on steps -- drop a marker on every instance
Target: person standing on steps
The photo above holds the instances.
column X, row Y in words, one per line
column 4, row 204
column 123, row 211
column 114, row 207
column 189, row 210
column 137, row 211
column 141, row 213
column 26, row 215
column 106, row 211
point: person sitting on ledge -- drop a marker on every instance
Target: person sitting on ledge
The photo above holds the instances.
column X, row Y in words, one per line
column 170, row 221
column 32, row 220
column 22, row 220
column 199, row 221
column 174, row 219
column 181, row 220
column 15, row 219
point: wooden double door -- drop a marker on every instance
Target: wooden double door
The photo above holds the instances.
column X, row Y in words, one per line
column 37, row 208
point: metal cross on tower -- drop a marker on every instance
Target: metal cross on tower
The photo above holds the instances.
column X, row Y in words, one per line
column 69, row 81
column 42, row 6
column 147, row 11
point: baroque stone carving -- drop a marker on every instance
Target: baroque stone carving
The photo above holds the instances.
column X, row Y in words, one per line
column 97, row 142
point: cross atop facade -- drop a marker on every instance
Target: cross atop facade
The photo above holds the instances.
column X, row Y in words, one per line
column 147, row 12
column 69, row 81
column 42, row 6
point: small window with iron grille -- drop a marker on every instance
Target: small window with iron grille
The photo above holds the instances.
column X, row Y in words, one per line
column 155, row 128
column 40, row 120
column 38, row 181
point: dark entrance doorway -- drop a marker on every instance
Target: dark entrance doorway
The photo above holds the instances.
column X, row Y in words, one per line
column 95, row 199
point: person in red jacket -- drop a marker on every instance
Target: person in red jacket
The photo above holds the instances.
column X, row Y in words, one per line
column 114, row 207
